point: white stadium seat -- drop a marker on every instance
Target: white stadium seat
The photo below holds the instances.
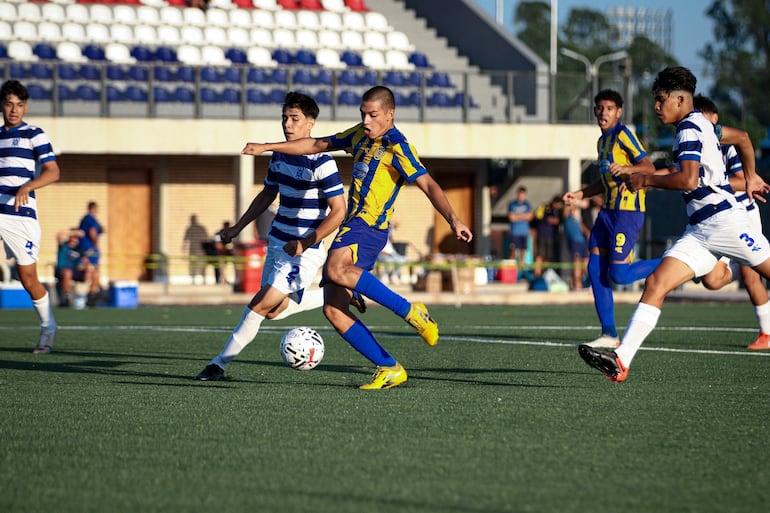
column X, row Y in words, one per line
column 7, row 12
column 238, row 36
column 21, row 51
column 171, row 16
column 352, row 40
column 217, row 17
column 99, row 13
column 286, row 19
column 122, row 13
column 260, row 57
column 284, row 38
column 376, row 21
column 49, row 31
column 73, row 32
column 211, row 54
column 261, row 37
column 373, row 59
column 331, row 21
column 308, row 20
column 25, row 30
column 240, row 18
column 97, row 32
column 397, row 59
column 145, row 34
column 375, row 40
column 189, row 54
column 266, row 4
column 329, row 58
column 68, row 51
column 147, row 15
column 215, row 36
column 78, row 13
column 194, row 16
column 263, row 19
column 53, row 12
column 354, row 21
column 329, row 39
column 6, row 31
column 168, row 35
column 29, row 11
column 399, row 41
column 307, row 38
column 334, row 5
column 118, row 53
column 121, row 33
column 192, row 35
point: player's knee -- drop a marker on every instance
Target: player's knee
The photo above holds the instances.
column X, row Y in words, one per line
column 621, row 274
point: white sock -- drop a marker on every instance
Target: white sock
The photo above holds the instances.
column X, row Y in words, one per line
column 763, row 317
column 44, row 311
column 642, row 322
column 310, row 300
column 241, row 336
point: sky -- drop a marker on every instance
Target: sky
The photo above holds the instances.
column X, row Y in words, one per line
column 692, row 28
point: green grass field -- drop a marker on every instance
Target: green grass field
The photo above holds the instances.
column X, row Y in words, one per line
column 501, row 416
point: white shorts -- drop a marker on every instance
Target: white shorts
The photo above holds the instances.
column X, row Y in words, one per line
column 21, row 237
column 731, row 233
column 288, row 274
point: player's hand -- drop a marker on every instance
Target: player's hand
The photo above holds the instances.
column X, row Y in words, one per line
column 616, row 169
column 254, row 149
column 462, row 232
column 571, row 198
column 226, row 235
column 635, row 181
column 22, row 197
column 293, row 248
column 756, row 187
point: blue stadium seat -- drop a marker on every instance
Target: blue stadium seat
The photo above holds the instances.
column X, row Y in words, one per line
column 163, row 74
column 394, row 78
column 90, row 72
column 231, row 95
column 44, row 51
column 277, row 95
column 348, row 77
column 257, row 96
column 324, row 77
column 142, row 54
column 348, row 97
column 94, row 52
column 257, row 76
column 323, row 97
column 401, row 99
column 459, row 100
column 414, row 79
column 138, row 73
column 66, row 71
column 282, row 56
column 161, row 94
column 232, row 75
column 38, row 92
column 414, row 98
column 165, row 54
column 135, row 93
column 184, row 94
column 351, row 58
column 185, row 74
column 114, row 94
column 439, row 99
column 64, row 92
column 40, row 71
column 3, row 51
column 279, row 76
column 17, row 70
column 87, row 92
column 115, row 72
column 419, row 59
column 236, row 56
column 210, row 74
column 302, row 76
column 305, row 57
column 369, row 78
column 438, row 79
column 209, row 95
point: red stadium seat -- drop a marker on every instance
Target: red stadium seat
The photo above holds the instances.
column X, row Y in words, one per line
column 356, row 5
column 289, row 4
column 313, row 5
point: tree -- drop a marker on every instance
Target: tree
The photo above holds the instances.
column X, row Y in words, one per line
column 529, row 20
column 740, row 50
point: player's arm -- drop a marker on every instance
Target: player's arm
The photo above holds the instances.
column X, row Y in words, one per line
column 303, row 146
column 258, row 205
column 337, row 209
column 754, row 184
column 685, row 180
column 438, row 198
column 49, row 173
column 645, row 165
column 571, row 198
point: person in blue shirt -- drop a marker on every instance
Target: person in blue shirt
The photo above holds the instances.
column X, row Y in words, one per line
column 89, row 248
column 519, row 216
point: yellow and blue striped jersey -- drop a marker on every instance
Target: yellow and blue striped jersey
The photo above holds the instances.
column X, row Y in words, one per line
column 620, row 145
column 381, row 167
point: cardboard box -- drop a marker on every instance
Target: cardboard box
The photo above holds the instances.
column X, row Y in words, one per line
column 14, row 296
column 124, row 294
column 430, row 282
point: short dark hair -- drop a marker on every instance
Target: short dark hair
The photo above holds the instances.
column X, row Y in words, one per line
column 675, row 78
column 704, row 104
column 16, row 88
column 91, row 205
column 610, row 95
column 303, row 102
column 380, row 94
column 522, row 189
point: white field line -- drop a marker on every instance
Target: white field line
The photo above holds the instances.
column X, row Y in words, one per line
column 325, row 330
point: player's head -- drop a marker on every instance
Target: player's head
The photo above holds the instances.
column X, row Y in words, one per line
column 521, row 193
column 608, row 109
column 298, row 116
column 378, row 108
column 92, row 206
column 14, row 96
column 673, row 90
column 707, row 107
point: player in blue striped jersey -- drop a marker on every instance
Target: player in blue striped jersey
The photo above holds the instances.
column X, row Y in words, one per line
column 27, row 163
column 311, row 207
column 717, row 224
column 722, row 275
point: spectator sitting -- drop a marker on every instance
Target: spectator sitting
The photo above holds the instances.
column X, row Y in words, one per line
column 71, row 265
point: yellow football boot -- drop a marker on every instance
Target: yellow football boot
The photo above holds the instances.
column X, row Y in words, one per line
column 421, row 320
column 386, row 377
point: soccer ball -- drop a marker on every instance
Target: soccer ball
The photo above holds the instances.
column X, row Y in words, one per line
column 302, row 348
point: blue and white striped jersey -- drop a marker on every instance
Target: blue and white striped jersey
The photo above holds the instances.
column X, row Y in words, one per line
column 304, row 184
column 733, row 165
column 696, row 140
column 23, row 150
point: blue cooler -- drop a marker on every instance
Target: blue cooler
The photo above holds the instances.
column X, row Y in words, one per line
column 124, row 294
column 13, row 295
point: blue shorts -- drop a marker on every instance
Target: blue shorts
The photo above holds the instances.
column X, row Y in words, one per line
column 519, row 241
column 578, row 248
column 616, row 231
column 365, row 242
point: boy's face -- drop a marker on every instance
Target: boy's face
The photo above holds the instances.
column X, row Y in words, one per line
column 607, row 114
column 13, row 111
column 295, row 124
column 375, row 119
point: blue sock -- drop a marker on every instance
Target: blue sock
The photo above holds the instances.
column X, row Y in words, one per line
column 602, row 291
column 373, row 288
column 363, row 341
column 624, row 274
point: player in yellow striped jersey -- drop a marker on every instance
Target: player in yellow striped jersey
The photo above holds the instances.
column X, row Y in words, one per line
column 384, row 162
column 617, row 227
